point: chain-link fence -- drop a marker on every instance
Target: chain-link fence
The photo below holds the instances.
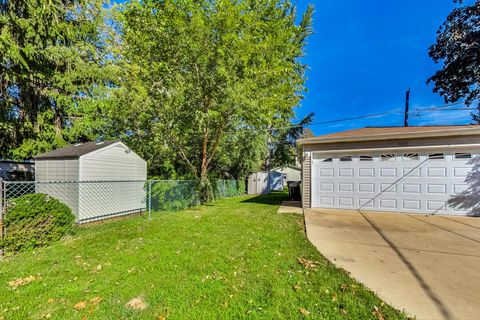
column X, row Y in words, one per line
column 36, row 213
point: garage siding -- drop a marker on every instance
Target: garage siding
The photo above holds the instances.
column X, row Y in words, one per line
column 306, row 179
column 393, row 143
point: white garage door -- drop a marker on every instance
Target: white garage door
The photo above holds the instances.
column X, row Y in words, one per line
column 407, row 182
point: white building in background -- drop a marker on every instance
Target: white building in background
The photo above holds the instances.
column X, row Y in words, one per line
column 290, row 173
column 10, row 168
column 264, row 182
column 97, row 180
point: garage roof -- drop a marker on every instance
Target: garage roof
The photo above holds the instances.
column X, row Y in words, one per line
column 385, row 133
column 74, row 151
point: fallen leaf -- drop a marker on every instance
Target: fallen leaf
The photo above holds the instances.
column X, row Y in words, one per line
column 376, row 312
column 99, row 267
column 95, row 300
column 80, row 305
column 297, row 287
column 305, row 312
column 308, row 264
column 136, row 303
column 21, row 281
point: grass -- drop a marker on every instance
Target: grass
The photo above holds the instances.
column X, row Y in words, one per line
column 233, row 259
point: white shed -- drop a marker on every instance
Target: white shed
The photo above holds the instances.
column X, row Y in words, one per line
column 96, row 180
column 264, row 182
column 290, row 173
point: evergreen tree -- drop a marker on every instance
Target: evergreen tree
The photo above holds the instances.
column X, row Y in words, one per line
column 54, row 73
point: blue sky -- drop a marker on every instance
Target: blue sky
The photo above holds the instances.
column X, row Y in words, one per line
column 365, row 54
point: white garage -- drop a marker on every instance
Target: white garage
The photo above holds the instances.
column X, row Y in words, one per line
column 405, row 169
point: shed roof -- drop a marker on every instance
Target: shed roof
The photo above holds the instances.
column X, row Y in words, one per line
column 384, row 133
column 287, row 166
column 74, row 151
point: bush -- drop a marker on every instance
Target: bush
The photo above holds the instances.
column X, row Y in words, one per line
column 20, row 175
column 173, row 195
column 35, row 220
column 229, row 188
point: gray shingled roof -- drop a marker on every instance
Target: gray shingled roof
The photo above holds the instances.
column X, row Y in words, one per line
column 74, row 151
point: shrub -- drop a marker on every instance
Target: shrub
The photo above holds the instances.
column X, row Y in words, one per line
column 35, row 220
column 173, row 195
column 229, row 188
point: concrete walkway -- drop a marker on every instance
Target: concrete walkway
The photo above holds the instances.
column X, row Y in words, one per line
column 290, row 207
column 428, row 266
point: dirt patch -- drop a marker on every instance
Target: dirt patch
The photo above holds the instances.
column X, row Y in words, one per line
column 136, row 303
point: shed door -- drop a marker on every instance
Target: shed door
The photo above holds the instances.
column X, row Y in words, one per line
column 407, row 182
column 262, row 183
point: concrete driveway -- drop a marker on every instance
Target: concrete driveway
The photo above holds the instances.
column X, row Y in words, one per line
column 428, row 266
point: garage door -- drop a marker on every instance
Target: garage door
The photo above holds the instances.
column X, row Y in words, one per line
column 407, row 182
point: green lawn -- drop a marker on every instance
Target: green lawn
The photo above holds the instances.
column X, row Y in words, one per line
column 235, row 258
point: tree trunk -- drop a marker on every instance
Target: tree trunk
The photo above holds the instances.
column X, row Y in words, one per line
column 205, row 187
column 58, row 123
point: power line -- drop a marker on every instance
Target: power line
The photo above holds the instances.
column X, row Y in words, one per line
column 339, row 120
column 441, row 107
column 374, row 115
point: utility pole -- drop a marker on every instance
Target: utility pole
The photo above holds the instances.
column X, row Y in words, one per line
column 407, row 102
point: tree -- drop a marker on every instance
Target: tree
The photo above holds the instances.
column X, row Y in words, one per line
column 241, row 153
column 284, row 148
column 458, row 47
column 54, row 74
column 207, row 69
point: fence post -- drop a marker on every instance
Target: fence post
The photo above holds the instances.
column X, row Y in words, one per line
column 149, row 200
column 2, row 206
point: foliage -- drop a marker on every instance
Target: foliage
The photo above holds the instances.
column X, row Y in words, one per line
column 242, row 153
column 173, row 195
column 458, row 47
column 55, row 74
column 229, row 188
column 233, row 259
column 284, row 147
column 198, row 72
column 170, row 195
column 20, row 175
column 35, row 220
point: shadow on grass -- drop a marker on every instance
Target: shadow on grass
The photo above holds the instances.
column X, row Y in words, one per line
column 274, row 198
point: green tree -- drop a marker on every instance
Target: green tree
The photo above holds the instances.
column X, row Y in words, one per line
column 240, row 154
column 207, row 69
column 283, row 149
column 458, row 47
column 54, row 73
